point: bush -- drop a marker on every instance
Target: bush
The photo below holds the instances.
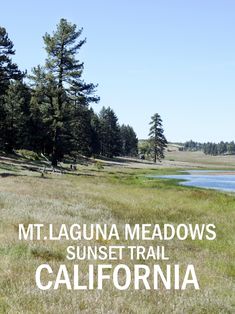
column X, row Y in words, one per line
column 99, row 165
column 29, row 154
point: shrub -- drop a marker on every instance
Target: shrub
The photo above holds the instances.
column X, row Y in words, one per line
column 29, row 154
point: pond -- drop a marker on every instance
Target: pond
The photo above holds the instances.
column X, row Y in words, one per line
column 223, row 180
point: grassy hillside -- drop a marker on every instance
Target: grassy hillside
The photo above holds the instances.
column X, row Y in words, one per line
column 119, row 194
column 199, row 158
column 177, row 158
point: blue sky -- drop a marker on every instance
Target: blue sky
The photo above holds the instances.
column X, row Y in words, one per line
column 174, row 57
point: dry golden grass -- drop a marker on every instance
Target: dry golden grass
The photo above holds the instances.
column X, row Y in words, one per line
column 112, row 195
column 198, row 159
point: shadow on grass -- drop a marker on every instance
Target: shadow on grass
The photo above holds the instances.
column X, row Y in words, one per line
column 18, row 159
column 5, row 175
column 9, row 167
column 123, row 160
column 81, row 174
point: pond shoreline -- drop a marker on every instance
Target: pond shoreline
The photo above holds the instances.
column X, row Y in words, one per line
column 207, row 179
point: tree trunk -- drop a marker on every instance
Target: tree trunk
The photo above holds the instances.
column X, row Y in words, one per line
column 54, row 160
column 155, row 155
column 54, row 157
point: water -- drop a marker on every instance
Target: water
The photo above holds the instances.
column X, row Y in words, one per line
column 209, row 179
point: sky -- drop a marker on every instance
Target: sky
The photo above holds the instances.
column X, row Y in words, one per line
column 172, row 57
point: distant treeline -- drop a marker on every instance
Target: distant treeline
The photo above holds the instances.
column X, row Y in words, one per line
column 50, row 112
column 222, row 148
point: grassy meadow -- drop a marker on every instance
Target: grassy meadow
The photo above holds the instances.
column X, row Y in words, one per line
column 113, row 193
column 198, row 159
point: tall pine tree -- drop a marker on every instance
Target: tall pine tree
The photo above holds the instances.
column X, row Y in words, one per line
column 157, row 139
column 16, row 116
column 129, row 141
column 8, row 71
column 60, row 87
column 110, row 137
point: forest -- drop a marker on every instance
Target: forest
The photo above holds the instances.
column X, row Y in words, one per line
column 209, row 148
column 48, row 111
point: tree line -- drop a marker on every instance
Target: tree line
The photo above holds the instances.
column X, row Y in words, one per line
column 49, row 111
column 209, row 148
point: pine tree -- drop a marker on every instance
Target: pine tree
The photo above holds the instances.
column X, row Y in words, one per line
column 8, row 69
column 14, row 116
column 110, row 137
column 231, row 147
column 95, row 134
column 80, row 130
column 157, row 139
column 129, row 141
column 43, row 110
column 60, row 88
